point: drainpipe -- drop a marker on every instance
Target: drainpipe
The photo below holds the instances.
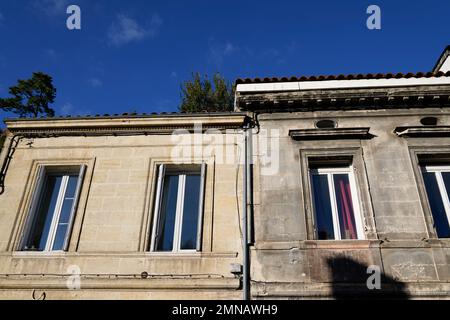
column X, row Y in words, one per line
column 250, row 215
column 246, row 187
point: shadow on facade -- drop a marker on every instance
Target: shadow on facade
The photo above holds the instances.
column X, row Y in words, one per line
column 349, row 281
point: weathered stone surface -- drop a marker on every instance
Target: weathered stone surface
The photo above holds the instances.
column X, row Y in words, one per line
column 391, row 200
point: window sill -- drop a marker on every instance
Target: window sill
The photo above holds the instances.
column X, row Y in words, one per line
column 194, row 254
column 342, row 244
column 39, row 253
column 319, row 244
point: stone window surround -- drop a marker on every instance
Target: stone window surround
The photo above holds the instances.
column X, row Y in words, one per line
column 25, row 204
column 330, row 173
column 356, row 154
column 180, row 171
column 416, row 150
column 208, row 205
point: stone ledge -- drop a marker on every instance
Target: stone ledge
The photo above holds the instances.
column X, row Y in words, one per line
column 297, row 290
column 34, row 282
column 352, row 244
column 100, row 255
column 315, row 244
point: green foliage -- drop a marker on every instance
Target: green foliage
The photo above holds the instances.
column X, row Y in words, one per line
column 200, row 94
column 31, row 97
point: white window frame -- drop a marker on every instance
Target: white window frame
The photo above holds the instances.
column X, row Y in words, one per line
column 176, row 247
column 42, row 175
column 438, row 170
column 329, row 172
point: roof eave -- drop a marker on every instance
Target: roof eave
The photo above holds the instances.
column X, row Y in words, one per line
column 374, row 98
column 129, row 125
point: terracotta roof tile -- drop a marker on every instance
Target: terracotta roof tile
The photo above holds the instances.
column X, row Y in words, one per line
column 344, row 77
column 125, row 115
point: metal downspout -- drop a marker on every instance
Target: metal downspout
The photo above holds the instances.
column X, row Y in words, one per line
column 247, row 205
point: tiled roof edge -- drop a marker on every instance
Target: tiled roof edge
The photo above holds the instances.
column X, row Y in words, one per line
column 129, row 116
column 344, row 77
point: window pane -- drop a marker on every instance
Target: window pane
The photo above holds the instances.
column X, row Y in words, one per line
column 190, row 213
column 68, row 199
column 44, row 214
column 60, row 236
column 345, row 206
column 168, row 213
column 437, row 207
column 322, row 207
column 446, row 178
column 71, row 186
column 66, row 210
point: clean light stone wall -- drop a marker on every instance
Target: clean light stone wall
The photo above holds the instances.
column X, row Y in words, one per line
column 112, row 225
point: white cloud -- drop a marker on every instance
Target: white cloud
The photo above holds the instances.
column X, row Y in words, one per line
column 51, row 7
column 50, row 54
column 67, row 109
column 229, row 48
column 165, row 105
column 126, row 30
column 280, row 55
column 217, row 52
column 173, row 74
column 1, row 17
column 95, row 82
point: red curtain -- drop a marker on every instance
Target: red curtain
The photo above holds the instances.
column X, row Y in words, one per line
column 347, row 210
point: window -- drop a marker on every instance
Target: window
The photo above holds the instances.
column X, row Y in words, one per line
column 437, row 185
column 178, row 210
column 335, row 203
column 52, row 209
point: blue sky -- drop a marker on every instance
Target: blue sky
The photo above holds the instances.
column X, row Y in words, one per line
column 133, row 55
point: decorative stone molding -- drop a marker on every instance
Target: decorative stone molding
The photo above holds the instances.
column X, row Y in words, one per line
column 418, row 132
column 330, row 134
column 122, row 125
column 343, row 99
column 109, row 282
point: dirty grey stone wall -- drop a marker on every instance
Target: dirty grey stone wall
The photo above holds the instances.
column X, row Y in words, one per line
column 287, row 262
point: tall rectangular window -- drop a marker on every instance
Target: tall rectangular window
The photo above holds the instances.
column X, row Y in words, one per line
column 178, row 210
column 437, row 185
column 335, row 202
column 52, row 209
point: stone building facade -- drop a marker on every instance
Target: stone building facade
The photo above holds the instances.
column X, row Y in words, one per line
column 349, row 184
column 361, row 185
column 106, row 246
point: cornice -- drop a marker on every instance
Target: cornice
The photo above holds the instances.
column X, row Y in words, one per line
column 120, row 126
